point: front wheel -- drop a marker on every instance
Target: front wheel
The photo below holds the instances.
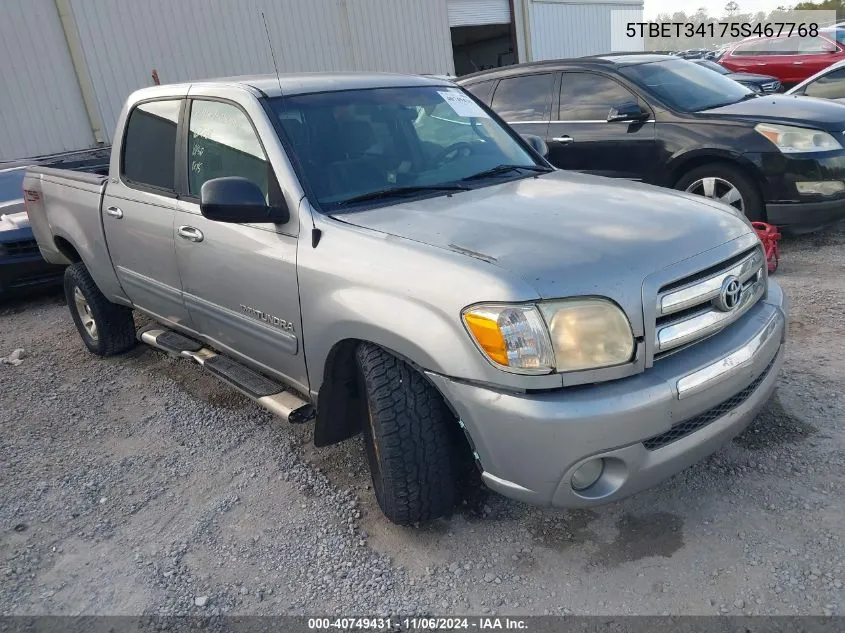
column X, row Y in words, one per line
column 409, row 439
column 725, row 183
column 106, row 329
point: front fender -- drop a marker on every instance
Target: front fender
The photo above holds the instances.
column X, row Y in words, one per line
column 407, row 297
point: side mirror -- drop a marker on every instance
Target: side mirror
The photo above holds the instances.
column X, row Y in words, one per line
column 537, row 144
column 629, row 111
column 239, row 201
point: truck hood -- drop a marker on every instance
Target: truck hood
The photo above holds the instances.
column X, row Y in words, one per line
column 13, row 216
column 565, row 233
column 752, row 77
column 820, row 114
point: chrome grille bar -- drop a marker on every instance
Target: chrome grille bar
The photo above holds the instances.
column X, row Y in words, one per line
column 710, row 321
column 708, row 289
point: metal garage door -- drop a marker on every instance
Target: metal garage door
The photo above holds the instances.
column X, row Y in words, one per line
column 476, row 12
column 42, row 106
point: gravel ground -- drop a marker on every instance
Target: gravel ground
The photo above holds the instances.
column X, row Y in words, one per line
column 140, row 485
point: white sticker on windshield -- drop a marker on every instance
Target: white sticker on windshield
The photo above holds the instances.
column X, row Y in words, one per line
column 462, row 104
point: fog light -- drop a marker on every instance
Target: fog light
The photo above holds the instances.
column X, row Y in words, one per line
column 588, row 474
column 825, row 187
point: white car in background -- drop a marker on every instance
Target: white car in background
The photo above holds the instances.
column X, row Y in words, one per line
column 825, row 84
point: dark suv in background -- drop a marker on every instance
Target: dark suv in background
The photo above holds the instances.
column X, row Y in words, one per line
column 670, row 122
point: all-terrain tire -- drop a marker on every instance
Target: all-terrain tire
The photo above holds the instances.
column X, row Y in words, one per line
column 409, row 439
column 114, row 328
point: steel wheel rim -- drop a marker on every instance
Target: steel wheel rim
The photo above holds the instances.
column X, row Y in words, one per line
column 85, row 314
column 718, row 189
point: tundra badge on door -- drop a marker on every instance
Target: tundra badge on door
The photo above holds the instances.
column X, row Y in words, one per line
column 267, row 318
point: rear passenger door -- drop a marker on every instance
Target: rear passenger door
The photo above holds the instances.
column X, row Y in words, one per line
column 525, row 102
column 581, row 138
column 239, row 280
column 139, row 208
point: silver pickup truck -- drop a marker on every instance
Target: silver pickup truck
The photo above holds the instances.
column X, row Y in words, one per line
column 383, row 254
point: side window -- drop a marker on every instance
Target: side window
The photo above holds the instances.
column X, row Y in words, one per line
column 481, row 90
column 830, row 86
column 221, row 142
column 526, row 98
column 757, row 47
column 149, row 145
column 588, row 97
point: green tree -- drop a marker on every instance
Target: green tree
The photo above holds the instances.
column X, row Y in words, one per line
column 731, row 8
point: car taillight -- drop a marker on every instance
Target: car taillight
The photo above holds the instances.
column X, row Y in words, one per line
column 30, row 195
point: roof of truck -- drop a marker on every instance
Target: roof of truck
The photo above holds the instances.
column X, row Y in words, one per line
column 301, row 83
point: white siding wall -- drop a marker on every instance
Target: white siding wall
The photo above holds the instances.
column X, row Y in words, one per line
column 563, row 28
column 401, row 36
column 123, row 40
column 41, row 105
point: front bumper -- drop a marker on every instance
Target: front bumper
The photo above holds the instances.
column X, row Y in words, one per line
column 796, row 212
column 22, row 274
column 529, row 444
column 803, row 217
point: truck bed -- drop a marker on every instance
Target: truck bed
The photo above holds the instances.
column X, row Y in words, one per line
column 64, row 208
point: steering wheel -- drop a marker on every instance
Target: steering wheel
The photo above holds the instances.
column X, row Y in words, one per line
column 461, row 149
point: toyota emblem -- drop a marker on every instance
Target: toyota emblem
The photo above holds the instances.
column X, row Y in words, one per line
column 730, row 294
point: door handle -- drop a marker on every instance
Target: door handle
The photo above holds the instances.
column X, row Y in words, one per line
column 114, row 212
column 190, row 233
column 797, row 63
column 563, row 140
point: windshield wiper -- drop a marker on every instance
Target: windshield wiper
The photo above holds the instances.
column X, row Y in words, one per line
column 500, row 169
column 750, row 95
column 400, row 191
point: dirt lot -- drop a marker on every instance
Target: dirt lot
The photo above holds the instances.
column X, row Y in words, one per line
column 141, row 485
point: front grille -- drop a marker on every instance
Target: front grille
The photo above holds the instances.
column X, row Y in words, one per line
column 692, row 425
column 20, row 248
column 772, row 86
column 688, row 310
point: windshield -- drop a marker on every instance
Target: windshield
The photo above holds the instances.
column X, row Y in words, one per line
column 686, row 86
column 838, row 34
column 713, row 66
column 354, row 143
column 11, row 184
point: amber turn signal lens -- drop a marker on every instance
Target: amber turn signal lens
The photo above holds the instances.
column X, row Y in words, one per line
column 488, row 336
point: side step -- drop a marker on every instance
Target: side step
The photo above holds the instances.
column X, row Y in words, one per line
column 269, row 394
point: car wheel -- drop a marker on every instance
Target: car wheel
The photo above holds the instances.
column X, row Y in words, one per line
column 727, row 184
column 106, row 329
column 409, row 439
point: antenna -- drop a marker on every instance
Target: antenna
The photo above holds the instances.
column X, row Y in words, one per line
column 272, row 54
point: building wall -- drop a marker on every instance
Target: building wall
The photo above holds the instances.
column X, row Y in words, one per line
column 40, row 101
column 123, row 40
column 572, row 28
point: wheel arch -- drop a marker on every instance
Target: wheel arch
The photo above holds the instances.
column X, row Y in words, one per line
column 339, row 404
column 681, row 164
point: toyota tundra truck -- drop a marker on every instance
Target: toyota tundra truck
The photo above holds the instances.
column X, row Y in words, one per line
column 381, row 254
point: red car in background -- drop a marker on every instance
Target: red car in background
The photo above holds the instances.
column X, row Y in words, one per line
column 790, row 59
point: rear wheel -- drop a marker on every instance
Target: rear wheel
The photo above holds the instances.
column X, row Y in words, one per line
column 409, row 439
column 106, row 329
column 725, row 183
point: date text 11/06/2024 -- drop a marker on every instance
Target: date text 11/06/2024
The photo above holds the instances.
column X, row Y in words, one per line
column 418, row 624
column 721, row 29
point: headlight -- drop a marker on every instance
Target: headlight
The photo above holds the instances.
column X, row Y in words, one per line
column 588, row 333
column 566, row 335
column 512, row 337
column 795, row 140
column 754, row 88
